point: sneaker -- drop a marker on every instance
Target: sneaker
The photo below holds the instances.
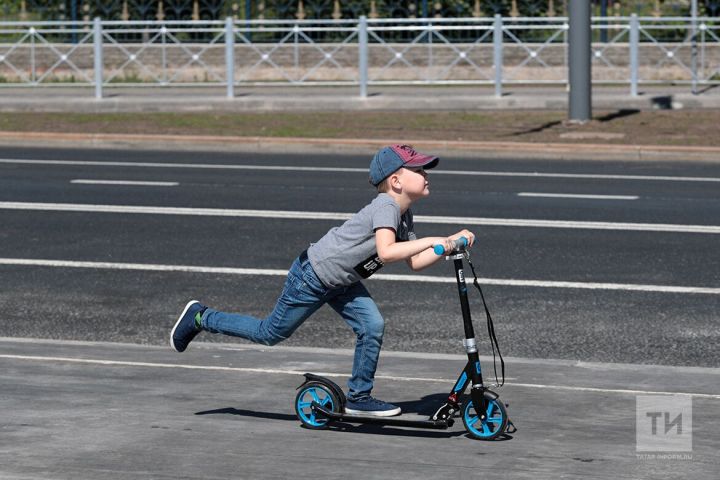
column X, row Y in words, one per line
column 186, row 327
column 371, row 406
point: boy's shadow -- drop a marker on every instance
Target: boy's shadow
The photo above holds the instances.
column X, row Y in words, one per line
column 249, row 413
column 423, row 408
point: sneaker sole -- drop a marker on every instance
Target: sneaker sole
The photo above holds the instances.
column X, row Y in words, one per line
column 172, row 333
column 386, row 413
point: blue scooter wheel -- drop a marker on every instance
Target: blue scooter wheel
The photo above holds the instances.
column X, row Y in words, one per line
column 320, row 394
column 494, row 424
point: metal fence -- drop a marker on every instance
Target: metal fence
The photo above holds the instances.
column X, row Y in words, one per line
column 496, row 51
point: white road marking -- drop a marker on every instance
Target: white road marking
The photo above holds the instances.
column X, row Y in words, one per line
column 290, row 168
column 386, row 277
column 202, row 367
column 299, row 215
column 90, row 361
column 589, row 176
column 205, row 166
column 577, row 195
column 124, row 182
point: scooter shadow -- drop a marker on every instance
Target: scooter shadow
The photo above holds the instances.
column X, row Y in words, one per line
column 408, row 432
column 336, row 426
column 424, row 407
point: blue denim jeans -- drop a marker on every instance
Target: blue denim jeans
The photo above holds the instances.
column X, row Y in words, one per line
column 302, row 295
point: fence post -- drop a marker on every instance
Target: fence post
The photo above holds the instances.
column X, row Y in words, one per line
column 363, row 55
column 98, row 58
column 634, row 46
column 498, row 53
column 230, row 56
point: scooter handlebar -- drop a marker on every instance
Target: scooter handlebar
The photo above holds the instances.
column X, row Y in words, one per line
column 458, row 245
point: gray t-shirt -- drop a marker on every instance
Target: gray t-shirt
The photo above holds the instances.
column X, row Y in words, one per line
column 347, row 254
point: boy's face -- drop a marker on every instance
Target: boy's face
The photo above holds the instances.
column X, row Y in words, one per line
column 414, row 182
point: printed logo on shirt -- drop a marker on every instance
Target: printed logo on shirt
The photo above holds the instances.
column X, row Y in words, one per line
column 369, row 266
column 403, row 231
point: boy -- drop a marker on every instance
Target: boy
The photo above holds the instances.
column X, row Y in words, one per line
column 330, row 271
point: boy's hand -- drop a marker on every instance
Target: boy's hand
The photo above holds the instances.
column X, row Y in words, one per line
column 464, row 233
column 447, row 244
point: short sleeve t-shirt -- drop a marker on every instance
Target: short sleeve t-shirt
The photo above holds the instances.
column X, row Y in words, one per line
column 347, row 254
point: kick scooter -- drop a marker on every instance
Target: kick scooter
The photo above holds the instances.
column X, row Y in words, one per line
column 320, row 401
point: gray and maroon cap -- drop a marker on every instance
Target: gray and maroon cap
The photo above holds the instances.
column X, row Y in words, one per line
column 390, row 159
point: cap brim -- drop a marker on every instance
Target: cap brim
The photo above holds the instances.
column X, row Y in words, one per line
column 425, row 161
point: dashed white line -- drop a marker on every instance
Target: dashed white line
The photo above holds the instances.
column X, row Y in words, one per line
column 589, row 176
column 386, row 277
column 301, row 215
column 577, row 195
column 83, row 181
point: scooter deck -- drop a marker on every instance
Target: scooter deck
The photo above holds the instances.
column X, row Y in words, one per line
column 395, row 421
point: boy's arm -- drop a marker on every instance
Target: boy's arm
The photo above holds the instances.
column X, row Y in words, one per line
column 418, row 253
column 425, row 259
column 391, row 251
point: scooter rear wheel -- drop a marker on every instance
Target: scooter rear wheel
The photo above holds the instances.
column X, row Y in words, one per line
column 320, row 394
column 492, row 426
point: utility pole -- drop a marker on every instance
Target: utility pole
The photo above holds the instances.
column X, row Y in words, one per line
column 693, row 45
column 580, row 74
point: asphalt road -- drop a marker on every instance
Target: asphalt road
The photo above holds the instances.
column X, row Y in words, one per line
column 627, row 293
column 101, row 411
column 105, row 263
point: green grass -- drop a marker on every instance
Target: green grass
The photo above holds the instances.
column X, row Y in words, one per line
column 677, row 127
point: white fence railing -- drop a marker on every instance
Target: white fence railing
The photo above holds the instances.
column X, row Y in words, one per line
column 494, row 51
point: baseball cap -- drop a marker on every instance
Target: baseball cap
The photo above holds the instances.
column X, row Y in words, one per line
column 390, row 159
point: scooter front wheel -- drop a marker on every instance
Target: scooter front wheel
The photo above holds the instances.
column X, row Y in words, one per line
column 320, row 394
column 492, row 426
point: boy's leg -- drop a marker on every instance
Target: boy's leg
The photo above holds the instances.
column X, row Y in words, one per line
column 298, row 301
column 359, row 310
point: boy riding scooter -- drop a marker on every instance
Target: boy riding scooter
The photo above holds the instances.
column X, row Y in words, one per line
column 331, row 271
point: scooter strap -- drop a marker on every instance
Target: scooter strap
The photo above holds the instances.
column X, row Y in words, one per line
column 491, row 330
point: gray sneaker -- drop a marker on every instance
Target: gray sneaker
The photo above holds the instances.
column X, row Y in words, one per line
column 371, row 406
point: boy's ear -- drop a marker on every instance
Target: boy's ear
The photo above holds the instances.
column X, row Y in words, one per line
column 394, row 180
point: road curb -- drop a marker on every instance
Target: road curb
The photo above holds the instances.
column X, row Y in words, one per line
column 515, row 150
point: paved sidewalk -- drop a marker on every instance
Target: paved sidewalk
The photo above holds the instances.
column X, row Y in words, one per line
column 312, row 98
column 83, row 410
